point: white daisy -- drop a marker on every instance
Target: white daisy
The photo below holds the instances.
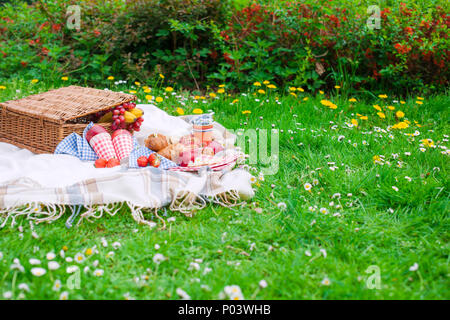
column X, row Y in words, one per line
column 158, row 258
column 414, row 267
column 183, row 294
column 98, row 272
column 263, row 284
column 56, row 285
column 53, row 265
column 79, row 258
column 64, row 295
column 23, row 287
column 34, row 261
column 51, row 256
column 326, row 281
column 38, row 272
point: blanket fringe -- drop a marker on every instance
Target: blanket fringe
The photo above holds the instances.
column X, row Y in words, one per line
column 38, row 212
column 227, row 199
column 187, row 202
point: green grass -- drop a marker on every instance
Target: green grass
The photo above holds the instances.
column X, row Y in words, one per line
column 376, row 226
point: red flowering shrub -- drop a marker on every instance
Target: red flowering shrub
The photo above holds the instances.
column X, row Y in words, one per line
column 312, row 45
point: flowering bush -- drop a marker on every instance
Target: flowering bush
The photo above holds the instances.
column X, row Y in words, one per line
column 316, row 44
column 309, row 44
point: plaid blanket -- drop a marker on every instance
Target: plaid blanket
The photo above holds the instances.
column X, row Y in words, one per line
column 45, row 187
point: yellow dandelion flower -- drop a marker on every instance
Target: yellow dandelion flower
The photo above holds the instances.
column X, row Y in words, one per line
column 271, row 86
column 382, row 96
column 377, row 107
column 132, row 91
column 321, row 92
column 363, row 118
column 161, row 76
column 305, row 99
column 159, row 99
column 64, row 78
column 376, row 158
column 110, row 78
column 2, row 88
column 381, row 115
column 261, row 91
column 420, row 98
column 197, row 111
column 222, row 86
column 35, row 81
column 293, row 94
column 266, row 82
column 419, row 102
column 401, row 125
column 300, row 89
column 169, row 89
column 65, row 248
column 220, row 91
column 147, row 90
column 257, row 84
column 212, row 95
column 355, row 122
column 399, row 114
column 246, row 112
column 235, row 101
column 180, row 111
column 337, row 87
column 352, row 100
column 391, row 107
column 149, row 97
column 88, row 251
column 137, row 83
column 427, row 143
column 402, row 102
column 292, row 89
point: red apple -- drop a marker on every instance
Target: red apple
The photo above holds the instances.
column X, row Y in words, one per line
column 95, row 130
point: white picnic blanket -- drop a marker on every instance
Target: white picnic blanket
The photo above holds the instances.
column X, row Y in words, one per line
column 35, row 185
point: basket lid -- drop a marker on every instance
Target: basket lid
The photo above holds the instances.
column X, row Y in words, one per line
column 67, row 103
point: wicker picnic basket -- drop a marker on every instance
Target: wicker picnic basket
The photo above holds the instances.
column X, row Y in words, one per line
column 39, row 122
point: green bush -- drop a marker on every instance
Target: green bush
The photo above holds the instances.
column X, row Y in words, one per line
column 209, row 42
column 171, row 37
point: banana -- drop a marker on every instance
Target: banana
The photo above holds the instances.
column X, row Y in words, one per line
column 137, row 112
column 107, row 117
column 129, row 117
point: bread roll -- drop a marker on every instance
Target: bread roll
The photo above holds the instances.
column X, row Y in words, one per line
column 156, row 142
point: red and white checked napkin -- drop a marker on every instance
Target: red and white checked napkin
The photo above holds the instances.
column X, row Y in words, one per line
column 123, row 145
column 102, row 145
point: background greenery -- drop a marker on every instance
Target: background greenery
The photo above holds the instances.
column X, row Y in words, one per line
column 314, row 44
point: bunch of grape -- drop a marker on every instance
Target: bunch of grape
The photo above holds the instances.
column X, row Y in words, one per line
column 125, row 116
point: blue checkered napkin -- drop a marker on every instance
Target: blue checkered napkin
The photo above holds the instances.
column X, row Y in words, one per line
column 144, row 151
column 77, row 146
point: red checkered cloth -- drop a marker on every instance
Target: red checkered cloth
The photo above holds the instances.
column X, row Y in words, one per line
column 123, row 145
column 102, row 145
column 228, row 161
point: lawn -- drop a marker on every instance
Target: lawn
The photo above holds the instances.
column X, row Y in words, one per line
column 352, row 199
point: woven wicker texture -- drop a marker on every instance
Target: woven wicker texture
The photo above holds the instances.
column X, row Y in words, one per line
column 67, row 103
column 38, row 122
